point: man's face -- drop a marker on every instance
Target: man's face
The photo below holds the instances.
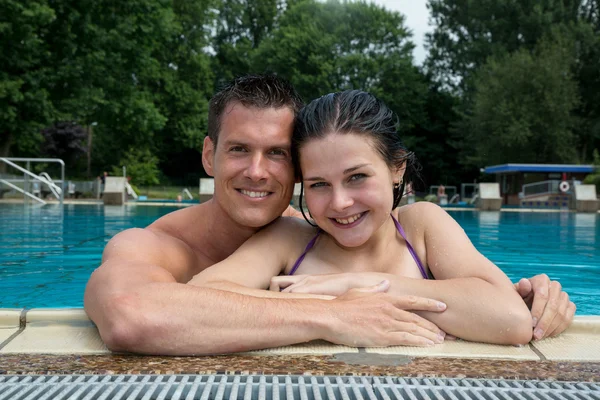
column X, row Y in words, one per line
column 252, row 163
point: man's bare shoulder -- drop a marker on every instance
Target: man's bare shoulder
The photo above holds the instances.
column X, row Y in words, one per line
column 177, row 221
column 160, row 244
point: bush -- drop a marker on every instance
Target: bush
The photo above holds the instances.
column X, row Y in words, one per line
column 142, row 167
column 594, row 179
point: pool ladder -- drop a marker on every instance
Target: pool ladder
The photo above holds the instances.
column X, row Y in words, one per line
column 43, row 177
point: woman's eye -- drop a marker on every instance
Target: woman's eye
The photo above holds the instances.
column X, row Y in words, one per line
column 318, row 185
column 357, row 177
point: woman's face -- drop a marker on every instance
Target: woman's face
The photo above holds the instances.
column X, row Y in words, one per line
column 349, row 187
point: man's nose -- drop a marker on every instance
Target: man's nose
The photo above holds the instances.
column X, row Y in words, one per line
column 257, row 169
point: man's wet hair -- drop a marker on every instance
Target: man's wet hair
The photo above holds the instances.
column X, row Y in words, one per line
column 257, row 91
column 361, row 113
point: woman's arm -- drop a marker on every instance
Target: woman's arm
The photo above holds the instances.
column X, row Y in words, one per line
column 483, row 305
column 250, row 268
column 234, row 287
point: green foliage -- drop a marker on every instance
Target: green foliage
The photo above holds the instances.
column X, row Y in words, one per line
column 185, row 86
column 522, row 107
column 484, row 49
column 25, row 75
column 240, row 27
column 594, row 179
column 587, row 73
column 467, row 32
column 335, row 45
column 65, row 140
column 141, row 165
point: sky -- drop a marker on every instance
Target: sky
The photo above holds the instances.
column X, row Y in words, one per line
column 417, row 20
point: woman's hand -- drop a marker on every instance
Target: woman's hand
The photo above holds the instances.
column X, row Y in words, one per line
column 327, row 284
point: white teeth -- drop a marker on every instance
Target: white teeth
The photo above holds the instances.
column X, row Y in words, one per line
column 254, row 194
column 350, row 220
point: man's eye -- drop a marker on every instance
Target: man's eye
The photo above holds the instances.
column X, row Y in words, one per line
column 279, row 152
column 236, row 148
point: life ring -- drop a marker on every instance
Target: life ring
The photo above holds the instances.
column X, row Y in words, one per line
column 564, row 186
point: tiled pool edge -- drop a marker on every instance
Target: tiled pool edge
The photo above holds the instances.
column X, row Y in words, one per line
column 69, row 331
column 305, row 365
column 12, row 323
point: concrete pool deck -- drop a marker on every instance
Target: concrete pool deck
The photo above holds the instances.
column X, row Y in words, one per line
column 59, row 341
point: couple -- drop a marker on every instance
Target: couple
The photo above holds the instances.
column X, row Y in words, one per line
column 192, row 282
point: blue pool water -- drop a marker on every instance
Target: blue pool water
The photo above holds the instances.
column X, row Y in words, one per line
column 47, row 254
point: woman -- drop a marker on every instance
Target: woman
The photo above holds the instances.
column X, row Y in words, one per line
column 354, row 169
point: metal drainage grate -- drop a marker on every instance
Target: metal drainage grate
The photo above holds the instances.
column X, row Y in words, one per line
column 248, row 387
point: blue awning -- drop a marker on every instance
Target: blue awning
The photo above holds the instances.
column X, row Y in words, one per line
column 546, row 168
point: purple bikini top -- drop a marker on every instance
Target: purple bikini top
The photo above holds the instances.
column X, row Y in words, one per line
column 400, row 231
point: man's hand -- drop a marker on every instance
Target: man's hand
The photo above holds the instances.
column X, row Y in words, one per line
column 368, row 317
column 551, row 310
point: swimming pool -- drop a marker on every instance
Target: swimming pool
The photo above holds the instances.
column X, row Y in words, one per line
column 47, row 253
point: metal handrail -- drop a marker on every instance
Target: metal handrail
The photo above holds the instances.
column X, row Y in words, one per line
column 544, row 188
column 187, row 193
column 18, row 189
column 130, row 190
column 53, row 187
column 56, row 190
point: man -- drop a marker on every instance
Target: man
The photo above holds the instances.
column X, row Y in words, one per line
column 139, row 298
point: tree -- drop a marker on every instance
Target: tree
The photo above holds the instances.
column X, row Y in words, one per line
column 594, row 178
column 240, row 28
column 141, row 165
column 325, row 47
column 522, row 108
column 112, row 58
column 182, row 93
column 25, row 106
column 468, row 32
column 587, row 73
column 65, row 140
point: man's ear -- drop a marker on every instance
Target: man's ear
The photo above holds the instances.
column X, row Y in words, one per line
column 208, row 156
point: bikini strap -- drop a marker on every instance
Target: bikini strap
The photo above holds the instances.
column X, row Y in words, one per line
column 410, row 248
column 306, row 250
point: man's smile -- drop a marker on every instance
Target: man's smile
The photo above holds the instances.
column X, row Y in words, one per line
column 254, row 194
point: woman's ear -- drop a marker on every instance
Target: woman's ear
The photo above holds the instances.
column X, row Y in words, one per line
column 398, row 173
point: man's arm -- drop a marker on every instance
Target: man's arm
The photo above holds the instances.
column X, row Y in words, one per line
column 551, row 309
column 140, row 304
